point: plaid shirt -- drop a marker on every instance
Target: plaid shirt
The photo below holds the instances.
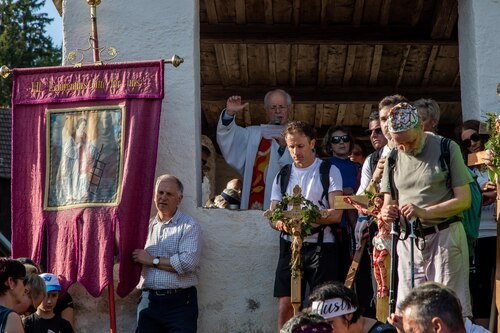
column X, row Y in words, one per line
column 178, row 239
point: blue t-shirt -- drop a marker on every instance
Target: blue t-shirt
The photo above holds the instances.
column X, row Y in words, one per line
column 350, row 173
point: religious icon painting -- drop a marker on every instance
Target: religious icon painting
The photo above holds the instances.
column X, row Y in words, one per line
column 84, row 156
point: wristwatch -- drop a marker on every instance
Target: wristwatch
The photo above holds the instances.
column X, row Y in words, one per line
column 156, row 262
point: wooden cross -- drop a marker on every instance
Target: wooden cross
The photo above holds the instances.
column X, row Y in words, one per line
column 294, row 226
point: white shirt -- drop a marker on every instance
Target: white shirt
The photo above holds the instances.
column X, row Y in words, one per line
column 309, row 181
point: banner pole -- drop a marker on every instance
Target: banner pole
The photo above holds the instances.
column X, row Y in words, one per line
column 112, row 312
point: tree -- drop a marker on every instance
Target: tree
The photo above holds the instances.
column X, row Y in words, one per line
column 23, row 42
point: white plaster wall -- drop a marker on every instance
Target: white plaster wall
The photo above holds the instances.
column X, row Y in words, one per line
column 240, row 250
column 479, row 46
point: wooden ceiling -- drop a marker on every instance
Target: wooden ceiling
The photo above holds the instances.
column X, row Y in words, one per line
column 337, row 58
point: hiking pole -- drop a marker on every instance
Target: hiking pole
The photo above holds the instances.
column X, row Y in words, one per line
column 394, row 265
column 412, row 236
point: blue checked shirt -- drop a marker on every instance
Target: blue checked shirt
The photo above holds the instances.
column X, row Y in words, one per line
column 180, row 240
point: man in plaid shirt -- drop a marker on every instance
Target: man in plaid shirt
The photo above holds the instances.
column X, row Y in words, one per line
column 170, row 262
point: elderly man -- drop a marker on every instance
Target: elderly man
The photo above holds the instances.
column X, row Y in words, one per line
column 170, row 262
column 429, row 112
column 318, row 253
column 256, row 152
column 424, row 193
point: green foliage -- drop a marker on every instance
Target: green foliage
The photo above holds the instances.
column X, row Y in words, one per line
column 493, row 123
column 309, row 212
column 23, row 42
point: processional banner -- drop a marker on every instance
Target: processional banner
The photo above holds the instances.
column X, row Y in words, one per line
column 84, row 147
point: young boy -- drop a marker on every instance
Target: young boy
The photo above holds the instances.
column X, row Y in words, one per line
column 44, row 320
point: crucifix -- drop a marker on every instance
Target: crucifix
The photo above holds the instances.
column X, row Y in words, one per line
column 370, row 206
column 295, row 224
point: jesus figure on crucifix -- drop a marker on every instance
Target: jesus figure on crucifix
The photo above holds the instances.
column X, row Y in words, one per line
column 318, row 258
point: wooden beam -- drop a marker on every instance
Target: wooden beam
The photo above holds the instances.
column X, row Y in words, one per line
column 318, row 116
column 324, row 13
column 403, row 65
column 211, row 12
column 296, row 13
column 294, row 50
column 241, row 14
column 358, row 13
column 231, row 33
column 452, row 21
column 444, row 16
column 322, row 64
column 268, row 11
column 332, row 94
column 243, row 64
column 377, row 59
column 221, row 63
column 341, row 113
column 430, row 65
column 367, row 110
column 385, row 12
column 349, row 64
column 271, row 52
column 419, row 6
column 457, row 79
column 58, row 5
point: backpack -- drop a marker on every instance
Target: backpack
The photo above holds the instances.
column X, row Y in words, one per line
column 324, row 176
column 472, row 216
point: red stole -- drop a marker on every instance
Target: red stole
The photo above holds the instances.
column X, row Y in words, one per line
column 257, row 189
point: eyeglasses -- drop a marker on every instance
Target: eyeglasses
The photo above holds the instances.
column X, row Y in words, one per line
column 337, row 139
column 474, row 137
column 377, row 131
column 274, row 108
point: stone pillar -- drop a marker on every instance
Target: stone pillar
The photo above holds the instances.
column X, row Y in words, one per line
column 479, row 46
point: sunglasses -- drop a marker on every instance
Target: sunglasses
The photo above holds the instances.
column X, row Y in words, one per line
column 474, row 137
column 337, row 139
column 377, row 131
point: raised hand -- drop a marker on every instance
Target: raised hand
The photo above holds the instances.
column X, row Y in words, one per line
column 233, row 105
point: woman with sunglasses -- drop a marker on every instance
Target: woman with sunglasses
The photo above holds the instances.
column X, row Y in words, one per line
column 483, row 259
column 12, row 289
column 338, row 143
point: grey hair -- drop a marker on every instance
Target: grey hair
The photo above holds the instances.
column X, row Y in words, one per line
column 288, row 98
column 166, row 177
column 36, row 284
column 432, row 108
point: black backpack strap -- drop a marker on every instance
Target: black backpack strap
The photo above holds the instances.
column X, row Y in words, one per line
column 391, row 162
column 445, row 158
column 374, row 158
column 324, row 175
column 284, row 177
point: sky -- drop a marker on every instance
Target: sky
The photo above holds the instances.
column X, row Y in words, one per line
column 54, row 30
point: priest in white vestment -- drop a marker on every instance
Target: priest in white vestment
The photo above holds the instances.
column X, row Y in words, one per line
column 256, row 152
